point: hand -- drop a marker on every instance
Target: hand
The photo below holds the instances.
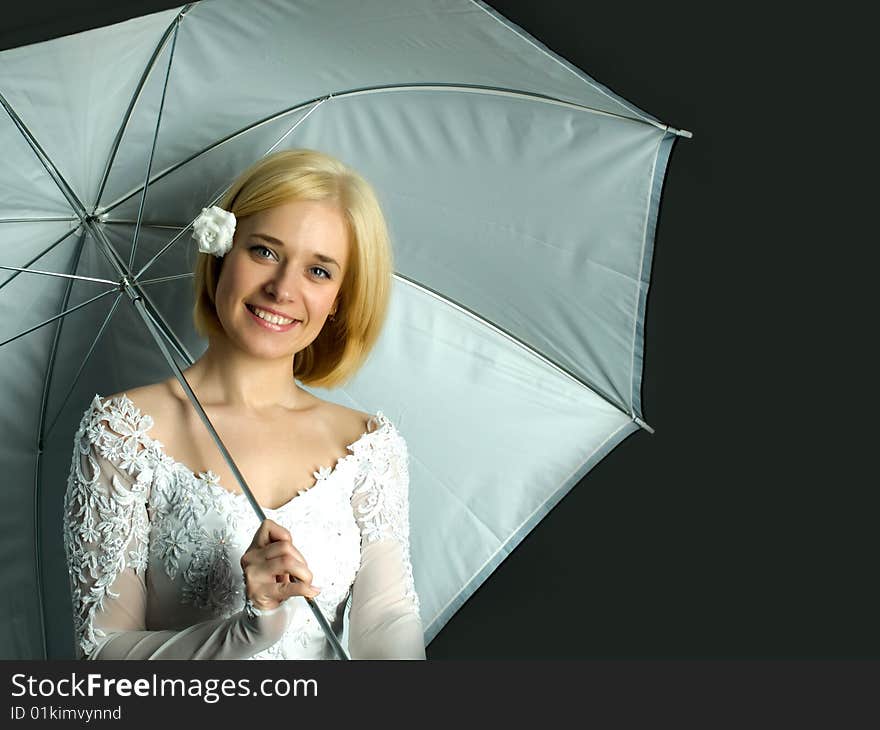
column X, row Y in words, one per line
column 274, row 570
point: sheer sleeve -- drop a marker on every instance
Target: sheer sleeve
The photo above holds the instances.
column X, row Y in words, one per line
column 384, row 619
column 106, row 537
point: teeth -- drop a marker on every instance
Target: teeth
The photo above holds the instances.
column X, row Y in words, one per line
column 273, row 318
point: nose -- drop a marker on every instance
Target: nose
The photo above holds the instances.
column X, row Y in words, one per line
column 283, row 286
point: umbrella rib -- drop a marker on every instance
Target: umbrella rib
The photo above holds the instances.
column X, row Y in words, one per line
column 37, row 220
column 516, row 341
column 160, row 279
column 39, row 256
column 24, row 270
column 298, row 122
column 140, row 213
column 166, row 329
column 465, row 88
column 47, row 382
column 162, row 250
column 82, row 366
column 57, row 177
column 502, row 91
column 58, row 316
column 131, row 222
column 134, row 99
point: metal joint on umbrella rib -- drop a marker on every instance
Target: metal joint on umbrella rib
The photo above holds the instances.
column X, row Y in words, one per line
column 641, row 423
column 126, row 286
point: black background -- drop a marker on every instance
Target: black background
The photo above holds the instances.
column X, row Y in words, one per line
column 745, row 525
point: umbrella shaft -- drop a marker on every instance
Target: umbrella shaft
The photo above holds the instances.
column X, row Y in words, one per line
column 141, row 306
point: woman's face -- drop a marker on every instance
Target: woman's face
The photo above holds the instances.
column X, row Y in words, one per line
column 281, row 278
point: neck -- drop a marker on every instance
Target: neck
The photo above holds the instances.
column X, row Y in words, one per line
column 224, row 375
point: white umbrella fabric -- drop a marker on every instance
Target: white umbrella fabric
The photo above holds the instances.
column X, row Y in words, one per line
column 522, row 198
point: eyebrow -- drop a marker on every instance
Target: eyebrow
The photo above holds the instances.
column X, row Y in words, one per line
column 321, row 257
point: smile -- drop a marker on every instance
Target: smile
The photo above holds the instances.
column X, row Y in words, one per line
column 271, row 321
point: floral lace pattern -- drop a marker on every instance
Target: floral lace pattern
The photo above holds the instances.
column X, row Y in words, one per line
column 99, row 524
column 130, row 506
column 383, row 513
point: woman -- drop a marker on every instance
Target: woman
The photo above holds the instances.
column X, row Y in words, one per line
column 167, row 562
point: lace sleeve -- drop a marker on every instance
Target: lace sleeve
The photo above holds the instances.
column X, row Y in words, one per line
column 384, row 619
column 106, row 538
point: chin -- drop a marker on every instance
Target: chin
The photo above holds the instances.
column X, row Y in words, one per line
column 270, row 351
column 274, row 351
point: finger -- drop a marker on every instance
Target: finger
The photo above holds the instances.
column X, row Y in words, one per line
column 261, row 536
column 296, row 588
column 256, row 555
column 282, row 547
column 288, row 565
column 266, row 574
column 270, row 531
column 278, row 532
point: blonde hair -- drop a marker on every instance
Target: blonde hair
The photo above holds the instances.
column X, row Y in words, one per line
column 344, row 342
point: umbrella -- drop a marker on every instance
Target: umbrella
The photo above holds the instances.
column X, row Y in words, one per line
column 521, row 195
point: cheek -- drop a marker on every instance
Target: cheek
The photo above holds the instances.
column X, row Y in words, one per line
column 222, row 292
column 229, row 282
column 327, row 298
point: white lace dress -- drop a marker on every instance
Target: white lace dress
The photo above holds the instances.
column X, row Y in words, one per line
column 153, row 551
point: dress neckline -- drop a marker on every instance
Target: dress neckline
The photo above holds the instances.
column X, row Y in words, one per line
column 212, row 480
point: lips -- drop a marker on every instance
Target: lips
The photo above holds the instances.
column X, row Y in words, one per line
column 266, row 324
column 254, row 307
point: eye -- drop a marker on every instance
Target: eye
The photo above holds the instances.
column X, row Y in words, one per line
column 259, row 248
column 323, row 273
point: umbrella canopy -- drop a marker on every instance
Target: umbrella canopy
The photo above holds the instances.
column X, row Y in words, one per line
column 521, row 197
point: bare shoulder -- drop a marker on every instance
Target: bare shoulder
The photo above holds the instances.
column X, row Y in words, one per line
column 155, row 399
column 350, row 422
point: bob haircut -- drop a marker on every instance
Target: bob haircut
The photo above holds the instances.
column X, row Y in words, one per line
column 344, row 342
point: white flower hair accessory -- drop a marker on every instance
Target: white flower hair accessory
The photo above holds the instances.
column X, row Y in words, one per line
column 213, row 230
